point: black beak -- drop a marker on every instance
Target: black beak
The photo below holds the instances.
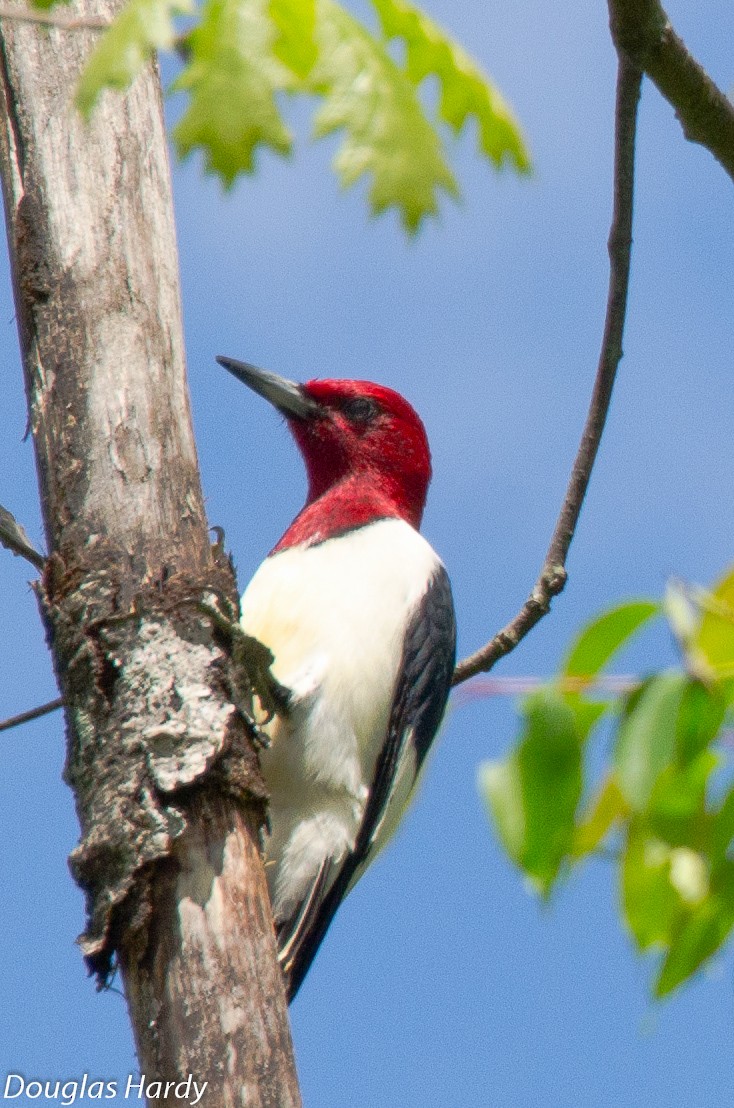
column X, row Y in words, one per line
column 287, row 396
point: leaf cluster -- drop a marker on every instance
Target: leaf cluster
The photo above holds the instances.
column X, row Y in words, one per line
column 241, row 56
column 663, row 807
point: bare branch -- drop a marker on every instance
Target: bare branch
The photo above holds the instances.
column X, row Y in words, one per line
column 616, row 684
column 641, row 30
column 14, row 538
column 56, row 19
column 553, row 573
column 32, row 713
column 612, row 684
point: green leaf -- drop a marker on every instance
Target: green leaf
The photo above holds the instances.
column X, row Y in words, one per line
column 647, row 735
column 701, row 934
column 605, row 809
column 142, row 27
column 295, row 45
column 386, row 132
column 700, row 717
column 586, row 713
column 232, row 78
column 500, row 783
column 677, row 803
column 465, row 89
column 689, row 875
column 722, row 829
column 593, row 648
column 650, row 903
column 533, row 794
column 714, row 641
column 604, row 636
column 681, row 613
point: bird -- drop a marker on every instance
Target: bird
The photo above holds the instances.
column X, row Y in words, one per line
column 356, row 609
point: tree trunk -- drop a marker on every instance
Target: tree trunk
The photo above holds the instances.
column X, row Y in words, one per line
column 166, row 781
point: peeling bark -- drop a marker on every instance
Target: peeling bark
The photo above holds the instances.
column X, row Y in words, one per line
column 166, row 781
column 197, row 905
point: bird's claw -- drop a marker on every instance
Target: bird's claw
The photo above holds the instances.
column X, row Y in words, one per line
column 252, row 662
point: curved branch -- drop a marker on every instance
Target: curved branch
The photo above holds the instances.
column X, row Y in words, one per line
column 553, row 575
column 642, row 31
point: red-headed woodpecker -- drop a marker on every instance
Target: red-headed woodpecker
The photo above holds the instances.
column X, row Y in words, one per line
column 356, row 608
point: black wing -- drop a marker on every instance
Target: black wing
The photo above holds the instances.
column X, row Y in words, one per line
column 421, row 692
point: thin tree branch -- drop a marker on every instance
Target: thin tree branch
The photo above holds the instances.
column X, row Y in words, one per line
column 56, row 19
column 14, row 538
column 607, row 684
column 641, row 30
column 616, row 684
column 553, row 573
column 32, row 713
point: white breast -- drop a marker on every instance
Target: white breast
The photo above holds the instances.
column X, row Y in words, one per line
column 334, row 616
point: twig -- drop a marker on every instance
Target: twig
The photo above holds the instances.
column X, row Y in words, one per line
column 614, row 684
column 56, row 19
column 33, row 713
column 497, row 686
column 618, row 684
column 553, row 573
column 641, row 30
column 14, row 538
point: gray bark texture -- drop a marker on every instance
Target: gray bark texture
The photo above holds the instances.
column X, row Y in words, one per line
column 166, row 781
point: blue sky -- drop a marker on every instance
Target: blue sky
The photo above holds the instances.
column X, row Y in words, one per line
column 442, row 982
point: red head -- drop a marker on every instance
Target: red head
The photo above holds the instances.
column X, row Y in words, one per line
column 365, row 450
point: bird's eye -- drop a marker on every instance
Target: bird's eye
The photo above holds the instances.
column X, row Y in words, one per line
column 360, row 410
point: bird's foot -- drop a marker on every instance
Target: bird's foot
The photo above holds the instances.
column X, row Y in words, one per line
column 251, row 665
